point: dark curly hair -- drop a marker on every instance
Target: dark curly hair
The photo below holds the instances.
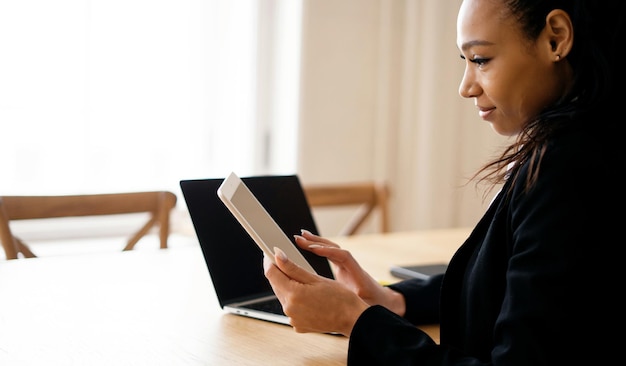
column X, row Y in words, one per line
column 598, row 37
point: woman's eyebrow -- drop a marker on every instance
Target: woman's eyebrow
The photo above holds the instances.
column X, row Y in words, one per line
column 473, row 43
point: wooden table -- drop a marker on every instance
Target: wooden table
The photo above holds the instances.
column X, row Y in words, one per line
column 158, row 308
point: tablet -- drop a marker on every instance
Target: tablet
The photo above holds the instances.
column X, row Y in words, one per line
column 257, row 222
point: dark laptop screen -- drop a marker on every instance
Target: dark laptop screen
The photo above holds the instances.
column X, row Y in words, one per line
column 234, row 261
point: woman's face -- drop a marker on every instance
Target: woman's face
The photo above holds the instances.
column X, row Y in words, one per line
column 510, row 78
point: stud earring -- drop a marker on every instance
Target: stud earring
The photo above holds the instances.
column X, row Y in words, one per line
column 558, row 57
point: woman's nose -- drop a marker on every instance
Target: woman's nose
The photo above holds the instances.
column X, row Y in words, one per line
column 468, row 87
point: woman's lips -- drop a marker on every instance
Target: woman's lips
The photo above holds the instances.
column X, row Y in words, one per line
column 485, row 112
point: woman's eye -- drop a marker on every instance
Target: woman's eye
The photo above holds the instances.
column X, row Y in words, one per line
column 479, row 61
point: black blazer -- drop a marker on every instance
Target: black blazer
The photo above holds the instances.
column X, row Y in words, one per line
column 538, row 282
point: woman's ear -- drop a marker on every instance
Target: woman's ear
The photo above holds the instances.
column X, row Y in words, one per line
column 559, row 33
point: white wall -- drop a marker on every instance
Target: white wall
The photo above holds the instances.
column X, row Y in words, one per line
column 379, row 100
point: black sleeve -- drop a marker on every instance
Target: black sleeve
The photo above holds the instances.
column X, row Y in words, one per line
column 380, row 337
column 422, row 299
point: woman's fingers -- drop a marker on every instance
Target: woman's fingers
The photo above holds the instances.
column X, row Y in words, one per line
column 291, row 269
column 316, row 238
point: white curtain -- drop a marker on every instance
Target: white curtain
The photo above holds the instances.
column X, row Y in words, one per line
column 380, row 101
column 121, row 95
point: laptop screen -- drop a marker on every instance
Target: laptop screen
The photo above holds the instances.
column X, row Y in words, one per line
column 234, row 261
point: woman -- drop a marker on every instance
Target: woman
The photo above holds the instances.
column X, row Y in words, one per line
column 538, row 281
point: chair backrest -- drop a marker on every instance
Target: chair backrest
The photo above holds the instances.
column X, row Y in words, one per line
column 158, row 204
column 367, row 197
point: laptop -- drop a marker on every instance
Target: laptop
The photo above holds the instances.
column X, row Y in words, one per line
column 234, row 261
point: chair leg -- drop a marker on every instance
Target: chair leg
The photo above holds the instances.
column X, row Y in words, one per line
column 24, row 249
column 143, row 231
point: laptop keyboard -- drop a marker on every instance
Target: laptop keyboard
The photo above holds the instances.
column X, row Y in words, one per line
column 271, row 306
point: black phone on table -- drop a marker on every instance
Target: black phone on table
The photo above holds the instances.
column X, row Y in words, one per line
column 421, row 271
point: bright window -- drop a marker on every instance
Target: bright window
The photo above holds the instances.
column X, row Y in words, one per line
column 119, row 95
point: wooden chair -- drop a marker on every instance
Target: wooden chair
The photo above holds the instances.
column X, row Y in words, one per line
column 158, row 204
column 368, row 197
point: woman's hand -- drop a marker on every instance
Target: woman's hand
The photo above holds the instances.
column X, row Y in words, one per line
column 348, row 271
column 318, row 304
column 313, row 303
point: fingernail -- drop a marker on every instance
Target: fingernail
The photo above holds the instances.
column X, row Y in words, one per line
column 313, row 246
column 280, row 254
column 304, row 231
